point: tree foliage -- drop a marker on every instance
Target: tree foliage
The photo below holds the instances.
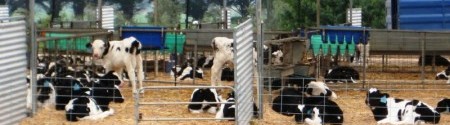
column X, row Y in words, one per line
column 167, row 17
column 291, row 14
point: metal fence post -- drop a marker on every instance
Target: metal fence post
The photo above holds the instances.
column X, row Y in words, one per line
column 244, row 69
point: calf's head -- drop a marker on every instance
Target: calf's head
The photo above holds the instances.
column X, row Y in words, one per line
column 443, row 105
column 319, row 89
column 444, row 74
column 375, row 98
column 99, row 48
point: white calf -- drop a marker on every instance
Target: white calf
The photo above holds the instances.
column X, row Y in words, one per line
column 223, row 53
column 120, row 55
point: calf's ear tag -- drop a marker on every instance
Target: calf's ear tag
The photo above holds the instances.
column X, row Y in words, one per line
column 46, row 84
column 76, row 87
column 383, row 99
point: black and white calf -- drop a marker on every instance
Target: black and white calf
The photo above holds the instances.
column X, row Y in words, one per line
column 288, row 100
column 186, row 71
column 286, row 103
column 342, row 74
column 229, row 110
column 300, row 81
column 120, row 55
column 439, row 60
column 389, row 110
column 46, row 94
column 95, row 104
column 204, row 95
column 444, row 75
column 319, row 110
column 443, row 105
column 205, row 61
column 68, row 88
column 227, row 74
column 319, row 89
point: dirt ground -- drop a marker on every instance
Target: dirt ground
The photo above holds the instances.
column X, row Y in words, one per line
column 350, row 98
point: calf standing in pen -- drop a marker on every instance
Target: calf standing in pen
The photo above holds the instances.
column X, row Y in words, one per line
column 117, row 55
column 223, row 54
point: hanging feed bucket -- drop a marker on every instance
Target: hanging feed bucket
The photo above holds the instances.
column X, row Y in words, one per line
column 351, row 47
column 316, row 42
column 334, row 46
column 326, row 46
column 343, row 48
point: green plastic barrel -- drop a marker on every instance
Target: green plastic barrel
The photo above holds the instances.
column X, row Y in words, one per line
column 76, row 44
column 316, row 42
column 170, row 42
column 325, row 47
column 343, row 48
column 351, row 47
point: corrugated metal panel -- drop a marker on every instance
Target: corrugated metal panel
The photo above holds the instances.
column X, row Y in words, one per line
column 4, row 11
column 13, row 67
column 356, row 17
column 424, row 14
column 107, row 17
column 243, row 60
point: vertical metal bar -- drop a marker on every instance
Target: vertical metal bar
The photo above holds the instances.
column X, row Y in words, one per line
column 33, row 57
column 260, row 56
column 136, row 107
column 318, row 13
column 186, row 21
column 382, row 63
column 351, row 13
column 433, row 62
column 100, row 13
column 422, row 44
column 364, row 56
column 195, row 59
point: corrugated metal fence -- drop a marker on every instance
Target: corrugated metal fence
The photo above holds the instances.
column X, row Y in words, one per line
column 13, row 65
column 243, row 60
column 108, row 17
column 4, row 12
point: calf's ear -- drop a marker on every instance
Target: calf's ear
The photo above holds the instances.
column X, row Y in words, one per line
column 88, row 45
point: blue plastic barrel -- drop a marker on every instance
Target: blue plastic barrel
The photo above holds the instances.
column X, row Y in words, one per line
column 151, row 40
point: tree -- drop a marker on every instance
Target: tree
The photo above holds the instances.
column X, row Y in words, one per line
column 127, row 6
column 197, row 8
column 374, row 13
column 242, row 6
column 168, row 12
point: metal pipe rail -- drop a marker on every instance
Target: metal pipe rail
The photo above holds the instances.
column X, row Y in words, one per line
column 137, row 103
column 185, row 119
column 12, row 18
column 73, row 36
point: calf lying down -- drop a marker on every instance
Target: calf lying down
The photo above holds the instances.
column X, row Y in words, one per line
column 204, row 95
column 444, row 75
column 94, row 104
column 319, row 110
column 229, row 110
column 186, row 72
column 389, row 110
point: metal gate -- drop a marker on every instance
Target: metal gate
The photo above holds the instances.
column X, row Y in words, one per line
column 243, row 60
column 13, row 63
